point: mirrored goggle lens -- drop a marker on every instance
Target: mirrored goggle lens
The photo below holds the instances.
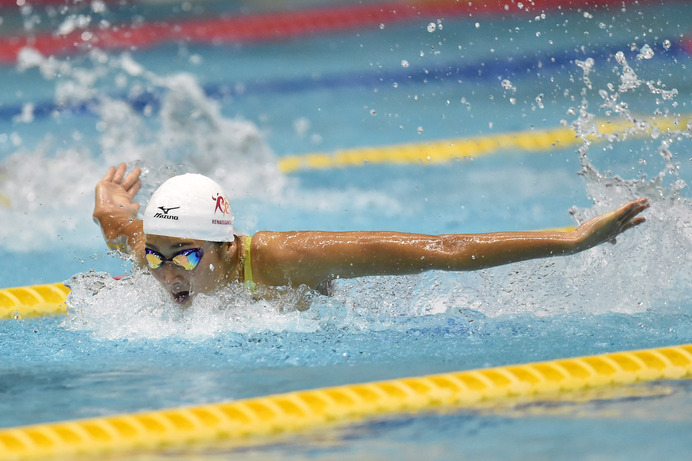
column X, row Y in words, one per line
column 187, row 259
column 154, row 260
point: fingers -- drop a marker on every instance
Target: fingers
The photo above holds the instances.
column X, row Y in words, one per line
column 630, row 210
column 130, row 182
column 109, row 174
column 633, row 223
column 132, row 191
column 132, row 179
column 119, row 173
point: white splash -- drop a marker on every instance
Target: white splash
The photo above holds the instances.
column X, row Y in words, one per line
column 137, row 307
column 189, row 133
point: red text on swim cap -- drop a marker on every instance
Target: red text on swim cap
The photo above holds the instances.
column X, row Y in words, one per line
column 221, row 204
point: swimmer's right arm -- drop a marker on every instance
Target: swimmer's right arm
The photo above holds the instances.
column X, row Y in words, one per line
column 116, row 211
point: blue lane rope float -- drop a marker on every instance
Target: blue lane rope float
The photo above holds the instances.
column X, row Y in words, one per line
column 252, row 420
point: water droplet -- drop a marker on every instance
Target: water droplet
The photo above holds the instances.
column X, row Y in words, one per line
column 539, row 100
column 666, row 44
column 431, row 27
column 620, row 58
column 404, row 63
column 645, row 53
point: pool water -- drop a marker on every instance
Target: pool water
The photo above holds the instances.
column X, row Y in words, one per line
column 233, row 111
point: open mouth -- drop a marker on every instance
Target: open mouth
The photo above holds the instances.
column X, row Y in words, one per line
column 181, row 297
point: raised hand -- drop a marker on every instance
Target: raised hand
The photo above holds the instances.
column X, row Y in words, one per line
column 115, row 192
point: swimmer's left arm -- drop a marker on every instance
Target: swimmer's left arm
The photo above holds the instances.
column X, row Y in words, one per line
column 116, row 211
column 313, row 258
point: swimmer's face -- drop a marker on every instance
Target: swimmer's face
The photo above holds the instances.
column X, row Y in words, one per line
column 207, row 275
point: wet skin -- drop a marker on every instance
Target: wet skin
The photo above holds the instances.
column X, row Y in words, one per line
column 182, row 285
column 314, row 258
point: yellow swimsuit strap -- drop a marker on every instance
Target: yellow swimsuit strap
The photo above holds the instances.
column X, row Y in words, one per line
column 247, row 263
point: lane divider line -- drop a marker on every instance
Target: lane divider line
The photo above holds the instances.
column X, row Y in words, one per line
column 443, row 151
column 276, row 26
column 256, row 420
column 483, row 69
column 33, row 301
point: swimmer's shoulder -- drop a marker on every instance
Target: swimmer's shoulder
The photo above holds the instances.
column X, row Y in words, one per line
column 266, row 245
column 280, row 258
column 271, row 244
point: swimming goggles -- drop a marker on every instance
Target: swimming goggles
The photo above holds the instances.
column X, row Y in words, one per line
column 187, row 259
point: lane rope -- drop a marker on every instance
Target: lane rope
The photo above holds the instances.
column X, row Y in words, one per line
column 277, row 25
column 254, row 420
column 436, row 152
column 452, row 72
column 33, row 301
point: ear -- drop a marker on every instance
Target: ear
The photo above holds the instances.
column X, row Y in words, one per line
column 229, row 249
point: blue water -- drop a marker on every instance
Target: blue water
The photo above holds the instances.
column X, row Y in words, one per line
column 231, row 112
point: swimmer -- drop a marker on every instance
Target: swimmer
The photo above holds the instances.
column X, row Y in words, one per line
column 188, row 242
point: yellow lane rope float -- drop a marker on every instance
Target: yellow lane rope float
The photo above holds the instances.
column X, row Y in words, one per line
column 33, row 301
column 442, row 151
column 244, row 421
column 455, row 149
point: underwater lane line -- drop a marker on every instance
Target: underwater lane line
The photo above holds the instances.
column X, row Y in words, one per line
column 443, row 151
column 453, row 72
column 261, row 420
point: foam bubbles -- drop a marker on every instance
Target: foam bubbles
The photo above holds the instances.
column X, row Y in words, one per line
column 138, row 307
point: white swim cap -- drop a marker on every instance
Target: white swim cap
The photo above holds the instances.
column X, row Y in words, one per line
column 189, row 206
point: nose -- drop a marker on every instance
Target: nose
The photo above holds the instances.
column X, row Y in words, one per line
column 170, row 273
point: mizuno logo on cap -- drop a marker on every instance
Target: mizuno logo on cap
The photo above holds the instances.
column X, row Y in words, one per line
column 165, row 214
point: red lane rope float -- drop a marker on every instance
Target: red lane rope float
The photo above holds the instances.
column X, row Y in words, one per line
column 687, row 45
column 277, row 26
column 33, row 3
